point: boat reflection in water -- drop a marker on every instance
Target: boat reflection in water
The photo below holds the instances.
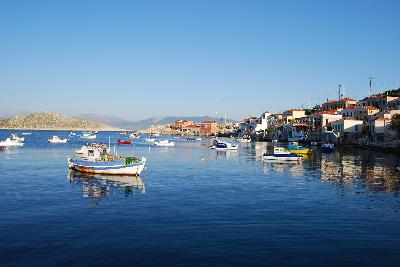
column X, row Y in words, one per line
column 354, row 168
column 98, row 186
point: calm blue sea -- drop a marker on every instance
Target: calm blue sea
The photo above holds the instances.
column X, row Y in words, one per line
column 197, row 207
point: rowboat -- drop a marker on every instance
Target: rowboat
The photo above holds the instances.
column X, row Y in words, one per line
column 281, row 154
column 56, row 139
column 95, row 159
column 150, row 140
column 124, row 142
column 164, row 143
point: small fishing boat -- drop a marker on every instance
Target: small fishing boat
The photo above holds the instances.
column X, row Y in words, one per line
column 26, row 133
column 71, row 134
column 223, row 146
column 96, row 159
column 328, row 147
column 124, row 142
column 281, row 154
column 88, row 135
column 10, row 143
column 294, row 148
column 274, row 140
column 56, row 139
column 156, row 134
column 134, row 136
column 15, row 137
column 164, row 143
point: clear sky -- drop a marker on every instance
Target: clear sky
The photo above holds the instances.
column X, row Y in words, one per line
column 137, row 59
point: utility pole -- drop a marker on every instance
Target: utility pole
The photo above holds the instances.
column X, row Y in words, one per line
column 226, row 107
column 339, row 91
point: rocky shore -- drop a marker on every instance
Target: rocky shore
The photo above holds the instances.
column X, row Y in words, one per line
column 52, row 121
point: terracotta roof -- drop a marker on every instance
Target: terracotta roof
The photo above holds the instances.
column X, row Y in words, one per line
column 192, row 126
column 341, row 100
column 209, row 122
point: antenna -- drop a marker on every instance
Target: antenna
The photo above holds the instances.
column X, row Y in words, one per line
column 339, row 91
column 226, row 107
column 370, row 85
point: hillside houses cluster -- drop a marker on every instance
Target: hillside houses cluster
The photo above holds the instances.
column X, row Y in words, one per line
column 208, row 127
column 345, row 120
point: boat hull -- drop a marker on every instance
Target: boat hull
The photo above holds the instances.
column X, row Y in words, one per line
column 111, row 168
column 281, row 158
column 300, row 151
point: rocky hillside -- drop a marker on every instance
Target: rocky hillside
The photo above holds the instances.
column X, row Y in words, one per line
column 52, row 121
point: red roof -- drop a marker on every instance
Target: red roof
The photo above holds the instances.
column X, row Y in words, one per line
column 341, row 100
column 209, row 122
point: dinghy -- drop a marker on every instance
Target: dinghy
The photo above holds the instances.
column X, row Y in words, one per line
column 56, row 139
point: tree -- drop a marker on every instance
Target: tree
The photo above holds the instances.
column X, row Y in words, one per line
column 316, row 108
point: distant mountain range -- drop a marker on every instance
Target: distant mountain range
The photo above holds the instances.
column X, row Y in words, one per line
column 143, row 124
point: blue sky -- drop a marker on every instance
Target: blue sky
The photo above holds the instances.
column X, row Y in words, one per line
column 137, row 59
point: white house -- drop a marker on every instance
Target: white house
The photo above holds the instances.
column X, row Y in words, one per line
column 255, row 124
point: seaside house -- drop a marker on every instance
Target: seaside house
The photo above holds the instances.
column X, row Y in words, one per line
column 208, row 127
column 379, row 101
column 192, row 129
column 339, row 104
column 180, row 124
column 256, row 124
column 362, row 113
column 292, row 115
column 378, row 130
column 393, row 104
column 347, row 130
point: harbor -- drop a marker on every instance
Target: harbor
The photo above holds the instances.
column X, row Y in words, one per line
column 201, row 201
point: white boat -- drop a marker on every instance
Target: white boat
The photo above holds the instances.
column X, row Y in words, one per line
column 56, row 139
column 223, row 146
column 194, row 138
column 156, row 134
column 15, row 137
column 26, row 133
column 164, row 143
column 96, row 159
column 88, row 135
column 281, row 154
column 10, row 143
column 275, row 140
column 150, row 140
column 71, row 134
column 134, row 136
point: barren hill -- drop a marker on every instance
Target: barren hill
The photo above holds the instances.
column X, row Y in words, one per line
column 52, row 121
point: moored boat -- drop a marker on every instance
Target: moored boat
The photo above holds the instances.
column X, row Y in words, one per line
column 223, row 146
column 124, row 142
column 294, row 148
column 56, row 139
column 244, row 139
column 281, row 154
column 10, row 143
column 17, row 138
column 134, row 136
column 164, row 143
column 150, row 140
column 26, row 133
column 88, row 135
column 96, row 159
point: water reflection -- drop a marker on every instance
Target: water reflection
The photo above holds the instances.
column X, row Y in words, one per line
column 356, row 168
column 96, row 187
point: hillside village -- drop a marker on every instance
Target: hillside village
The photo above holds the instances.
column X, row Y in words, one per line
column 345, row 120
